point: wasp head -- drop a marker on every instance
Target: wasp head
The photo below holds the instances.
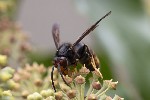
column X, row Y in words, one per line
column 66, row 54
column 62, row 61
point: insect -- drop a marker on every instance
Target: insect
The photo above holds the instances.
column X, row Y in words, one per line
column 68, row 54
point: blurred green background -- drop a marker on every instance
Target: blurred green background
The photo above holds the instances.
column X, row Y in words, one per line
column 124, row 43
column 122, row 40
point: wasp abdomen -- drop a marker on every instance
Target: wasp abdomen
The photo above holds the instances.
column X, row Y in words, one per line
column 85, row 56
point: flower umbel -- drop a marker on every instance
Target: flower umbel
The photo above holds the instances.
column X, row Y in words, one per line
column 78, row 86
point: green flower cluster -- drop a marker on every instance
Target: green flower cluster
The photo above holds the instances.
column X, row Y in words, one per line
column 31, row 78
column 30, row 83
column 6, row 83
column 6, row 95
column 79, row 90
column 43, row 95
column 13, row 41
column 3, row 60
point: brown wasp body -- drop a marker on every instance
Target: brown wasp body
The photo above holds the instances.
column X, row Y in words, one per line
column 69, row 54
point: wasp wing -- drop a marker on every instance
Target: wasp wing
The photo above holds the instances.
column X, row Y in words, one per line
column 55, row 33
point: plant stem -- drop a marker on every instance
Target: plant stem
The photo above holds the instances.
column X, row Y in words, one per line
column 103, row 92
column 90, row 89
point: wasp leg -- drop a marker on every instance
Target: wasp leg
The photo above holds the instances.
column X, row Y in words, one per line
column 53, row 79
column 62, row 75
column 91, row 56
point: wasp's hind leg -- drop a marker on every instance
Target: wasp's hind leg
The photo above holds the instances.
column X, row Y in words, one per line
column 94, row 59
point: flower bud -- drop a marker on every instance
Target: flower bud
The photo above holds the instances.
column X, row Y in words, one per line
column 34, row 96
column 4, row 76
column 96, row 85
column 16, row 77
column 25, row 47
column 6, row 51
column 20, row 71
column 64, row 87
column 6, row 93
column 68, row 79
column 16, row 86
column 35, row 66
column 26, row 75
column 109, row 83
column 21, row 58
column 117, row 98
column 50, row 92
column 43, row 93
column 71, row 94
column 103, row 97
column 24, row 94
column 41, row 68
column 84, row 70
column 13, row 39
column 92, row 97
column 58, row 95
column 79, row 79
column 30, row 97
column 108, row 98
column 47, row 93
column 106, row 83
column 3, row 60
column 9, row 70
column 28, row 68
column 37, row 96
column 11, row 84
column 38, row 82
column 113, row 85
column 50, row 98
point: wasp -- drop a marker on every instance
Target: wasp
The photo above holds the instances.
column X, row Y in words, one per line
column 68, row 54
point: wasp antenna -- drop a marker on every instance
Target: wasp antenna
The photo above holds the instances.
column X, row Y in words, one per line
column 62, row 75
column 53, row 79
column 102, row 18
column 90, row 29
